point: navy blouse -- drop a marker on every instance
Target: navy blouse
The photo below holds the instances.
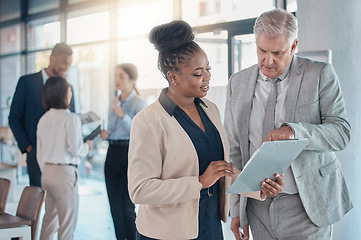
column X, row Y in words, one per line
column 209, row 147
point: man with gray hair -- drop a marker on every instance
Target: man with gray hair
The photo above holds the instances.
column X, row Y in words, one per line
column 288, row 97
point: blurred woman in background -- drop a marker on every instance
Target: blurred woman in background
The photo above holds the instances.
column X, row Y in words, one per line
column 122, row 109
column 59, row 149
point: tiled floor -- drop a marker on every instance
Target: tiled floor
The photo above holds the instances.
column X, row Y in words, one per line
column 94, row 219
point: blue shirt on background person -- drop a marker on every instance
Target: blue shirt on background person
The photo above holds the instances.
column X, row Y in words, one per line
column 119, row 128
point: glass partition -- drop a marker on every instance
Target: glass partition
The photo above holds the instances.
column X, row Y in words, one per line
column 10, row 72
column 135, row 19
column 142, row 54
column 214, row 45
column 43, row 33
column 88, row 28
column 36, row 6
column 204, row 12
column 89, row 76
column 9, row 9
column 10, row 39
column 245, row 51
column 292, row 5
column 37, row 61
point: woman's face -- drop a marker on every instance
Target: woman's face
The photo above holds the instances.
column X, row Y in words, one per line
column 193, row 77
column 68, row 96
column 122, row 81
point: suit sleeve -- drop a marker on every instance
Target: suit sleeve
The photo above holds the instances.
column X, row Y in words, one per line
column 237, row 201
column 232, row 134
column 16, row 115
column 72, row 104
column 146, row 165
column 39, row 150
column 333, row 133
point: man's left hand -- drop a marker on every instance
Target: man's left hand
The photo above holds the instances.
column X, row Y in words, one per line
column 272, row 188
column 282, row 133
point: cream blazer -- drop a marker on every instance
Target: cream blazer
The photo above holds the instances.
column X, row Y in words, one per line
column 163, row 174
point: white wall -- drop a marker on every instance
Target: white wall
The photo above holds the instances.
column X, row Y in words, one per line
column 336, row 25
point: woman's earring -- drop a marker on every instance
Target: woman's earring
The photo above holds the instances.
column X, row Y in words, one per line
column 175, row 83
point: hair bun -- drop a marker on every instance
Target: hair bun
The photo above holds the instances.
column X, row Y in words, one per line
column 170, row 36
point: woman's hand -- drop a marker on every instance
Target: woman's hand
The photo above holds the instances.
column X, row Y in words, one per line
column 90, row 144
column 104, row 134
column 117, row 108
column 215, row 171
column 272, row 188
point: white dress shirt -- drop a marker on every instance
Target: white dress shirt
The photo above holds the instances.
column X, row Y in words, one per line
column 59, row 138
column 44, row 75
column 263, row 87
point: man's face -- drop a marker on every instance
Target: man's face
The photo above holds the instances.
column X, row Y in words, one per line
column 59, row 64
column 274, row 54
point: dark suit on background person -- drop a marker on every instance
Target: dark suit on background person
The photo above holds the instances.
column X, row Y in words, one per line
column 25, row 112
column 26, row 108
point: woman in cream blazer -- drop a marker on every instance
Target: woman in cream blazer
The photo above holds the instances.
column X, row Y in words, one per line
column 165, row 160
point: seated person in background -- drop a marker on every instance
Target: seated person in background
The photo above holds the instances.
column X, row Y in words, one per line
column 59, row 149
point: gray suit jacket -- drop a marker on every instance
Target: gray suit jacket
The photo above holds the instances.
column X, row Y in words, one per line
column 314, row 110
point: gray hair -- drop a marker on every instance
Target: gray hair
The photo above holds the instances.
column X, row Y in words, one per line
column 275, row 23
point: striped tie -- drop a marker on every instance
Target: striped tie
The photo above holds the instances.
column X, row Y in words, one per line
column 269, row 117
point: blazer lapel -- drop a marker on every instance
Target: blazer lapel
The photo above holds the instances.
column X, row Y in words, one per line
column 295, row 78
column 246, row 99
column 38, row 84
column 215, row 119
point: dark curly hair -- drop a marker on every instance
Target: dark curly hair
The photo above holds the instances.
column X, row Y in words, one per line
column 175, row 44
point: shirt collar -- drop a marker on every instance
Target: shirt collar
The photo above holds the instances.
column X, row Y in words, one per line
column 130, row 96
column 44, row 75
column 169, row 105
column 283, row 75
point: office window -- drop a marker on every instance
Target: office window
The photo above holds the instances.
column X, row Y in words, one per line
column 141, row 18
column 37, row 61
column 245, row 51
column 292, row 5
column 150, row 81
column 10, row 40
column 10, row 72
column 90, row 78
column 204, row 12
column 43, row 33
column 134, row 51
column 36, row 6
column 208, row 7
column 78, row 1
column 88, row 28
column 9, row 10
column 214, row 45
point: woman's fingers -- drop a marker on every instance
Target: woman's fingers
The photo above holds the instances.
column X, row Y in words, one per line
column 216, row 170
column 222, row 166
